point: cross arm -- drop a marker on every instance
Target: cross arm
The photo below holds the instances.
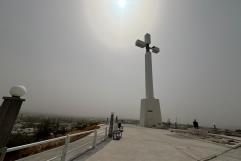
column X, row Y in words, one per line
column 140, row 43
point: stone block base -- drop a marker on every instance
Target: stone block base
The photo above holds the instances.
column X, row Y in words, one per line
column 150, row 115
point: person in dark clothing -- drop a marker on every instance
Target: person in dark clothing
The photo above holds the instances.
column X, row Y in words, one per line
column 119, row 125
column 195, row 124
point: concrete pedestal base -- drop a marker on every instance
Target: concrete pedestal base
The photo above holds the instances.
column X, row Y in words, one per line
column 150, row 113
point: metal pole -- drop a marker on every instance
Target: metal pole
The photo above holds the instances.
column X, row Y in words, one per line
column 106, row 129
column 111, row 125
column 64, row 152
column 95, row 138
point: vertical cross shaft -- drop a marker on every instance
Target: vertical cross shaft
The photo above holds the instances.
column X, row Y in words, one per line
column 148, row 75
column 148, row 63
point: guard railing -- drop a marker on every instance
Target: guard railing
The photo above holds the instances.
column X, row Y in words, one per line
column 69, row 150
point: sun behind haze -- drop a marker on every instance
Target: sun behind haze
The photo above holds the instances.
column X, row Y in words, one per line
column 117, row 23
column 78, row 57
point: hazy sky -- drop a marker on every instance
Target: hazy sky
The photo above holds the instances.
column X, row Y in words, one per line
column 78, row 58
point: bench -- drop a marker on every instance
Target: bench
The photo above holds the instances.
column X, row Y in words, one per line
column 117, row 134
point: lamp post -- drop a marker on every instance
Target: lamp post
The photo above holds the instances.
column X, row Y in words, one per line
column 110, row 134
column 8, row 113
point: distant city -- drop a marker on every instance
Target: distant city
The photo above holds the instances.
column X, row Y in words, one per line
column 31, row 127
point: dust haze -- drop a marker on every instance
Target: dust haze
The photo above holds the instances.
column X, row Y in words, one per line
column 72, row 64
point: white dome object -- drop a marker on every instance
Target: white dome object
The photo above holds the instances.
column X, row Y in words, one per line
column 18, row 91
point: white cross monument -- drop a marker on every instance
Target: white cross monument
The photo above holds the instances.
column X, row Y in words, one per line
column 150, row 115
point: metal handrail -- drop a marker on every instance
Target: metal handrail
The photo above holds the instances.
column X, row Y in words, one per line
column 66, row 139
column 45, row 141
column 34, row 144
column 84, row 132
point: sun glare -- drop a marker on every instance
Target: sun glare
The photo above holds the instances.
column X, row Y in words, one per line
column 121, row 3
column 117, row 23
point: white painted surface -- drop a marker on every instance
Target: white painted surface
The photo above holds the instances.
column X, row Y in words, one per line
column 148, row 71
column 150, row 113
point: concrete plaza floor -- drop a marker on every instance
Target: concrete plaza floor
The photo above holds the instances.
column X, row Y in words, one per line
column 146, row 144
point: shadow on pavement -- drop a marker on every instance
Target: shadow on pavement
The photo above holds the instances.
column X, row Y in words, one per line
column 85, row 155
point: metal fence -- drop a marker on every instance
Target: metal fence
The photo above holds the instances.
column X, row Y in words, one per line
column 69, row 150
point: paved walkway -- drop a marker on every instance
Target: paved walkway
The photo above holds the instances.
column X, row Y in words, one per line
column 145, row 144
column 233, row 155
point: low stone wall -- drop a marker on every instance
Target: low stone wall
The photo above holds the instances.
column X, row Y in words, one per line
column 201, row 132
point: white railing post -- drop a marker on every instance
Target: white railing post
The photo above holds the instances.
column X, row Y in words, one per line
column 106, row 129
column 95, row 138
column 65, row 148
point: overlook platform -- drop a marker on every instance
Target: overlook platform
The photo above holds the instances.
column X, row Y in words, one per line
column 146, row 144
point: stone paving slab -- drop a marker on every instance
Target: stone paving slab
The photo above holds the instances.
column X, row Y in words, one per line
column 232, row 155
column 146, row 144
